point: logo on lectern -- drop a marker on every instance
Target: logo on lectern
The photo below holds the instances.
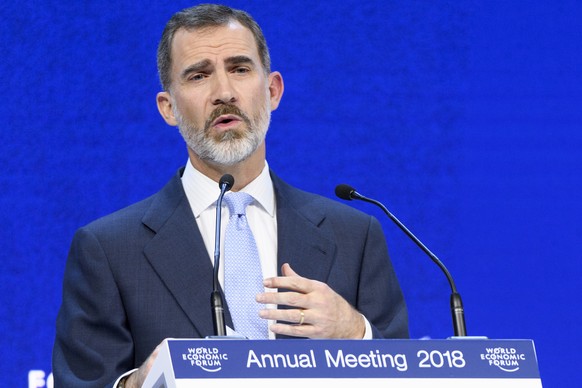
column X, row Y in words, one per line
column 506, row 359
column 207, row 359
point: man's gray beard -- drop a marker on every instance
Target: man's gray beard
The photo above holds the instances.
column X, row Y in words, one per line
column 229, row 147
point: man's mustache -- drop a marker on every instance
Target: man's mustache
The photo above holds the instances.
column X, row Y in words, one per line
column 226, row 109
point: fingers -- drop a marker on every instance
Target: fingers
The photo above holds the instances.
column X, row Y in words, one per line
column 300, row 292
column 297, row 297
column 314, row 309
column 286, row 270
column 293, row 316
column 302, row 319
column 290, row 280
column 298, row 324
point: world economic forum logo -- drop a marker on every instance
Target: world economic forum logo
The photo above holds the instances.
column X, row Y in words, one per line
column 206, row 358
column 506, row 359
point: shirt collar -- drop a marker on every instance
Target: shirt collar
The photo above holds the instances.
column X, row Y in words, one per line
column 202, row 192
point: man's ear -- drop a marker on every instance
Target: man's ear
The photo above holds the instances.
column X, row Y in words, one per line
column 276, row 87
column 164, row 101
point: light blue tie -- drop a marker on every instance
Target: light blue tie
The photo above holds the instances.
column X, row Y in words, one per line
column 243, row 278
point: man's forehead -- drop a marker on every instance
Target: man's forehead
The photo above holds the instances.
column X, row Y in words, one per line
column 232, row 38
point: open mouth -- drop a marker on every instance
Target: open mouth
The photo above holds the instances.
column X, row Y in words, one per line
column 226, row 120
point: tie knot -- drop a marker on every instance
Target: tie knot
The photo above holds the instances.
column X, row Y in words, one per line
column 237, row 202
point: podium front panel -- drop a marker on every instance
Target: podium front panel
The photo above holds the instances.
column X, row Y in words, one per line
column 403, row 363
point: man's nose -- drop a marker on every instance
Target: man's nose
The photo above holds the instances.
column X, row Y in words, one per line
column 223, row 92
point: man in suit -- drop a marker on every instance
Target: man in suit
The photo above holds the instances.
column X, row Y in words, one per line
column 144, row 273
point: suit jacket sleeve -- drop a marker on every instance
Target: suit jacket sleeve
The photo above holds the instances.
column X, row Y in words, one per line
column 381, row 299
column 91, row 325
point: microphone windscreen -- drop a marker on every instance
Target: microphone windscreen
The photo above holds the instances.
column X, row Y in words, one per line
column 227, row 180
column 344, row 191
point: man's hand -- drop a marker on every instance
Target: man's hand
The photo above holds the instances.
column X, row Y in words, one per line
column 137, row 378
column 317, row 310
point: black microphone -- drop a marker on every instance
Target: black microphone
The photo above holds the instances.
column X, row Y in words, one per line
column 348, row 193
column 225, row 184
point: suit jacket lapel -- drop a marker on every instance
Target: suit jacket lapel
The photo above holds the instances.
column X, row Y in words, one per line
column 178, row 254
column 303, row 241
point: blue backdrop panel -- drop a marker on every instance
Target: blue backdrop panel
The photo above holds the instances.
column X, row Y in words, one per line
column 464, row 118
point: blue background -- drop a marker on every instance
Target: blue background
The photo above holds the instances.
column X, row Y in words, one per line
column 463, row 117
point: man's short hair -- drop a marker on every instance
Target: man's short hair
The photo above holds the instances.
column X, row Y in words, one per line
column 203, row 16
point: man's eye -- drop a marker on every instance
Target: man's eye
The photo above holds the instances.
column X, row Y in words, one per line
column 241, row 70
column 196, row 77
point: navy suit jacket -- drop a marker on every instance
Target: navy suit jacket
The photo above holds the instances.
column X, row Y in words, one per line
column 143, row 274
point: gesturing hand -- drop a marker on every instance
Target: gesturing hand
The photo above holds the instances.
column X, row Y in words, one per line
column 316, row 310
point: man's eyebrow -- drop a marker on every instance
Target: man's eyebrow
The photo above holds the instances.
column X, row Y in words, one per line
column 196, row 68
column 239, row 60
